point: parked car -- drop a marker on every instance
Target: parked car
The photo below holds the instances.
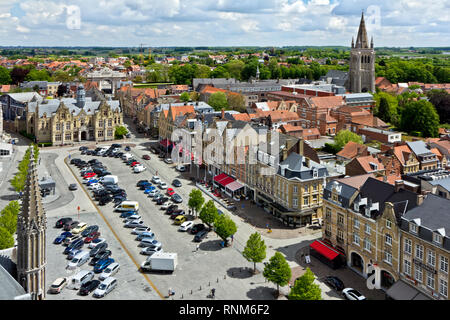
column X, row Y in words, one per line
column 98, row 248
column 126, row 214
column 153, row 193
column 71, row 238
column 352, row 294
column 92, row 236
column 146, row 157
column 79, row 228
column 102, row 264
column 61, row 222
column 139, row 168
column 151, row 250
column 58, row 285
column 171, row 209
column 99, row 256
column 176, row 198
column 105, row 287
column 59, row 239
column 89, row 230
column 335, row 283
column 166, row 205
column 197, row 228
column 72, row 253
column 156, row 179
column 144, row 186
column 163, row 185
column 133, row 217
column 185, row 226
column 200, row 235
column 170, row 191
column 88, row 287
column 176, row 213
column 148, row 235
column 181, row 168
column 149, row 242
column 105, row 200
column 140, row 182
column 157, row 196
column 96, row 242
column 127, row 148
column 74, row 245
column 111, row 270
column 70, row 225
column 168, row 160
column 73, row 187
column 140, row 230
column 134, row 224
column 149, row 189
column 176, row 183
column 162, row 200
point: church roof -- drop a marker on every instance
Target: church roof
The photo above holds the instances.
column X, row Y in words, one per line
column 31, row 201
column 361, row 39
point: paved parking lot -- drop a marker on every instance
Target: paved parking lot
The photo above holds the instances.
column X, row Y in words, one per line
column 197, row 272
column 131, row 285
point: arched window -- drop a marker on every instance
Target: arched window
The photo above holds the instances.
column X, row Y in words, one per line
column 362, row 59
column 368, row 59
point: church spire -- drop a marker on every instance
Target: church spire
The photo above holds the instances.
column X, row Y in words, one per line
column 361, row 40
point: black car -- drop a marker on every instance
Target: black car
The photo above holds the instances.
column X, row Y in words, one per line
column 92, row 161
column 70, row 225
column 75, row 160
column 116, row 145
column 98, row 248
column 88, row 230
column 99, row 256
column 88, row 287
column 117, row 191
column 145, row 185
column 104, row 173
column 73, row 187
column 61, row 222
column 171, row 209
column 176, row 183
column 162, row 200
column 99, row 194
column 176, row 213
column 200, row 235
column 104, row 200
column 77, row 244
column 82, row 148
column 176, row 198
column 89, row 152
column 335, row 283
column 127, row 148
column 196, row 228
column 118, row 155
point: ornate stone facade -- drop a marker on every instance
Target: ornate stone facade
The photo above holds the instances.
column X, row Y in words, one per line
column 31, row 238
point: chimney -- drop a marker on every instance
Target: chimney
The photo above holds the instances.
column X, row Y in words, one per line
column 420, row 198
column 385, row 179
column 223, row 113
column 307, row 162
column 399, row 184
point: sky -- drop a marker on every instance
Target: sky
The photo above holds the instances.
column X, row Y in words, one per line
column 159, row 23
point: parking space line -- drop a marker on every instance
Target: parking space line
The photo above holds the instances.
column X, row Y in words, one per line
column 117, row 237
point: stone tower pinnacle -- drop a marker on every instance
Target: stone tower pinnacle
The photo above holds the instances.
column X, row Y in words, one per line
column 361, row 39
column 31, row 237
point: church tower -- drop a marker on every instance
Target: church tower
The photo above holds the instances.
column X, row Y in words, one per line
column 362, row 62
column 31, row 237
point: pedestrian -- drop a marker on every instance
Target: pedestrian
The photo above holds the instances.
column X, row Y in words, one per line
column 213, row 293
column 170, row 292
column 173, row 292
column 196, row 248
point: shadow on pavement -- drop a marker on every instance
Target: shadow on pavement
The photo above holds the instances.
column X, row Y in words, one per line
column 240, row 272
column 291, row 251
column 212, row 245
column 262, row 293
column 9, row 197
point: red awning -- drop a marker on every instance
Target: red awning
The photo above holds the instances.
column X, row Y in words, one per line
column 324, row 250
column 220, row 177
column 226, row 181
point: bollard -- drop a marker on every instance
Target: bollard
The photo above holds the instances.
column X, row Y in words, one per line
column 224, row 276
column 209, row 284
column 217, row 280
column 200, row 288
column 182, row 296
column 191, row 291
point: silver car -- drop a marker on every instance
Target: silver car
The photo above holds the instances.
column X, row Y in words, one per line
column 141, row 230
column 134, row 224
column 150, row 251
column 150, row 242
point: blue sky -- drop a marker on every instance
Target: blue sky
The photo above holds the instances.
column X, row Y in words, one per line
column 222, row 22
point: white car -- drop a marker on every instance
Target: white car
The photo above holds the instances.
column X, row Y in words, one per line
column 151, row 250
column 134, row 217
column 185, row 226
column 134, row 224
column 166, row 205
column 105, row 287
column 153, row 193
column 163, row 185
column 156, row 180
column 58, row 285
column 181, row 168
column 140, row 230
column 95, row 186
column 95, row 242
column 110, row 271
column 168, row 161
column 139, row 168
column 352, row 294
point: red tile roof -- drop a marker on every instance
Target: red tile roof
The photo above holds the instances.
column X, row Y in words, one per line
column 352, row 150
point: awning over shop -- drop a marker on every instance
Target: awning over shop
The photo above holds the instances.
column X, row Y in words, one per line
column 233, row 186
column 226, row 181
column 220, row 177
column 324, row 250
column 403, row 291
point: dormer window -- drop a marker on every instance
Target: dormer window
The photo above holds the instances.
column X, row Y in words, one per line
column 437, row 238
column 388, row 224
column 315, row 173
column 412, row 227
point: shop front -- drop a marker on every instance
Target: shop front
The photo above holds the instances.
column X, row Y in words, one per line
column 326, row 254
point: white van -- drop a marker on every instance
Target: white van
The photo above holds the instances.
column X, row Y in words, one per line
column 110, row 271
column 79, row 259
column 128, row 206
column 105, row 287
column 127, row 156
column 109, row 179
column 80, row 278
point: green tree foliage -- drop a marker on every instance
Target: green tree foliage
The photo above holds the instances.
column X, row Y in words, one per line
column 305, row 288
column 196, row 200
column 157, row 73
column 236, row 102
column 8, row 216
column 209, row 213
column 224, row 227
column 441, row 101
column 194, row 96
column 277, row 271
column 235, row 68
column 6, row 239
column 218, row 100
column 19, row 179
column 420, row 116
column 384, row 111
column 120, row 132
column 5, row 77
column 184, row 74
column 220, row 72
column 185, row 97
column 62, row 76
column 38, row 75
column 255, row 249
column 344, row 136
column 392, row 106
column 18, row 74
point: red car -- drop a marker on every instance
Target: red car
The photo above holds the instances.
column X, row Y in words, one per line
column 135, row 163
column 92, row 236
column 146, row 157
column 170, row 191
column 89, row 175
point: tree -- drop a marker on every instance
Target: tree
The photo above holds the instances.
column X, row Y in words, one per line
column 441, row 101
column 218, row 100
column 225, row 227
column 277, row 271
column 196, row 200
column 194, row 96
column 305, row 288
column 235, row 68
column 62, row 76
column 344, row 136
column 384, row 112
column 137, row 79
column 185, row 97
column 6, row 239
column 420, row 116
column 8, row 217
column 38, row 75
column 255, row 250
column 120, row 132
column 236, row 101
column 5, row 77
column 209, row 213
column 18, row 74
column 62, row 90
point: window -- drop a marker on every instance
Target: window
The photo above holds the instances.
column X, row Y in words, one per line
column 328, row 214
column 68, row 136
column 295, row 202
column 305, row 188
column 430, row 280
column 367, row 245
column 356, row 239
column 418, row 274
column 419, row 251
column 388, row 257
column 356, row 223
column 388, row 224
column 58, row 127
column 315, row 199
column 407, row 267
column 413, row 227
column 305, row 201
column 443, row 265
column 315, row 186
column 431, row 258
column 57, row 137
column 437, row 238
column 367, row 228
column 340, row 235
column 67, row 125
column 443, row 287
column 109, row 122
column 388, row 239
column 100, row 123
column 110, row 132
column 295, row 189
column 100, row 133
column 408, row 246
column 340, row 219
